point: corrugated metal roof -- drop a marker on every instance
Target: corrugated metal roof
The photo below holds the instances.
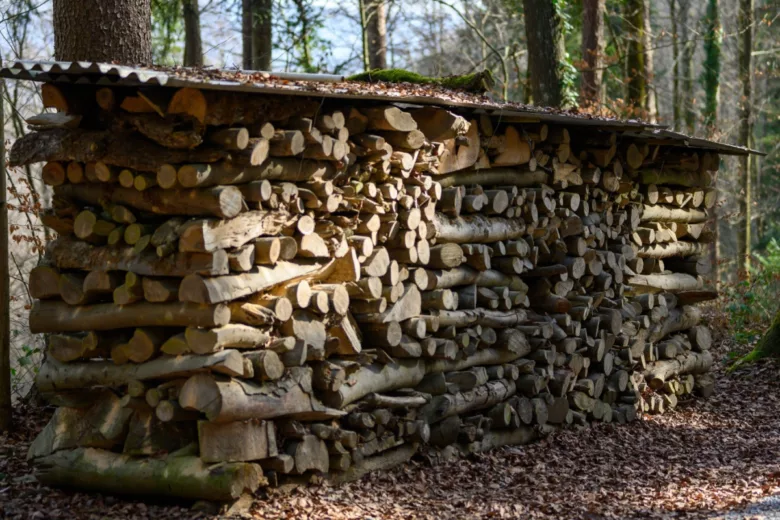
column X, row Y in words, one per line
column 335, row 86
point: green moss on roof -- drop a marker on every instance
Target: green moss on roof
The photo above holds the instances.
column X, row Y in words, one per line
column 478, row 82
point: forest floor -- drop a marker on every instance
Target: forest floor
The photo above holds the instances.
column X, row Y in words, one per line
column 711, row 458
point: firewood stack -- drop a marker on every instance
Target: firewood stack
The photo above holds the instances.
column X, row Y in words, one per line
column 251, row 288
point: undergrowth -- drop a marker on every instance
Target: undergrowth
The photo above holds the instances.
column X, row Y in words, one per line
column 749, row 306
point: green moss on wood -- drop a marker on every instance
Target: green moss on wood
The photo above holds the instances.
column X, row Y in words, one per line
column 768, row 346
column 478, row 82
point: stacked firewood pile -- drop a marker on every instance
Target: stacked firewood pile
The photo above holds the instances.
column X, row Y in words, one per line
column 248, row 289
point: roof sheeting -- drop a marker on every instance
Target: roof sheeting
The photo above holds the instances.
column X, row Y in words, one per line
column 334, row 86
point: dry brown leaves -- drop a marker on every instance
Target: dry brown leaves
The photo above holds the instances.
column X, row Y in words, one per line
column 698, row 462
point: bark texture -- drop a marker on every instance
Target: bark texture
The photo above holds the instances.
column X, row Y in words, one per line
column 94, row 30
column 592, row 49
column 546, row 52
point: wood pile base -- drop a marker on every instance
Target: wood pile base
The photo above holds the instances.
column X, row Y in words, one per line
column 247, row 289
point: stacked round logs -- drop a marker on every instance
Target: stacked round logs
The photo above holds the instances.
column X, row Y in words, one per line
column 250, row 288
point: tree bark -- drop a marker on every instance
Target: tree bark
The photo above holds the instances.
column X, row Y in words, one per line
column 592, row 49
column 546, row 52
column 5, row 317
column 246, row 34
column 193, row 46
column 376, row 18
column 745, row 24
column 94, row 30
column 262, row 44
column 636, row 59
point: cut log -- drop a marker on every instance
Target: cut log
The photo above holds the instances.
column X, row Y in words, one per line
column 53, row 316
column 235, row 400
column 239, row 441
column 206, row 341
column 195, row 288
column 689, row 363
column 211, row 235
column 175, row 475
column 58, row 376
column 220, row 201
column 476, row 229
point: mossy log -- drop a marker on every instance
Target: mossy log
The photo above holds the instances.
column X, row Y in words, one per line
column 181, row 476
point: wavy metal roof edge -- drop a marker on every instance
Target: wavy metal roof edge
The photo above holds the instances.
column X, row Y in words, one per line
column 111, row 74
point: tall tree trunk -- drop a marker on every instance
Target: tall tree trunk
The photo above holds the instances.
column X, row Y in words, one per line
column 651, row 104
column 364, row 35
column 687, row 100
column 97, row 30
column 246, row 33
column 376, row 16
column 193, row 47
column 711, row 81
column 635, row 29
column 5, row 323
column 677, row 116
column 745, row 23
column 261, row 34
column 592, row 49
column 546, row 52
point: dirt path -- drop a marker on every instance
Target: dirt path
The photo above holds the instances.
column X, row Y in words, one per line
column 702, row 461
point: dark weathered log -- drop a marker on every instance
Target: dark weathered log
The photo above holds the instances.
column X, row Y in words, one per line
column 183, row 476
column 114, row 148
column 67, row 253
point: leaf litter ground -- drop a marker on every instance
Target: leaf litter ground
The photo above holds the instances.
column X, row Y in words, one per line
column 707, row 459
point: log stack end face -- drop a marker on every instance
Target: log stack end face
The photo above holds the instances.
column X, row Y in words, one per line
column 288, row 289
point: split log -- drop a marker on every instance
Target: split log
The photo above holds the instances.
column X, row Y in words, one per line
column 211, row 235
column 238, row 441
column 195, row 288
column 206, row 341
column 235, row 400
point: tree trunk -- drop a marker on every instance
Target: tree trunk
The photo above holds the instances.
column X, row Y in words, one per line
column 193, row 48
column 546, row 52
column 647, row 42
column 711, row 72
column 376, row 18
column 745, row 128
column 5, row 323
column 686, row 68
column 636, row 59
column 94, row 30
column 262, row 44
column 592, row 49
column 676, row 67
column 246, row 34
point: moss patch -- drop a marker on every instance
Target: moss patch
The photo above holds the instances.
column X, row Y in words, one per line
column 478, row 82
